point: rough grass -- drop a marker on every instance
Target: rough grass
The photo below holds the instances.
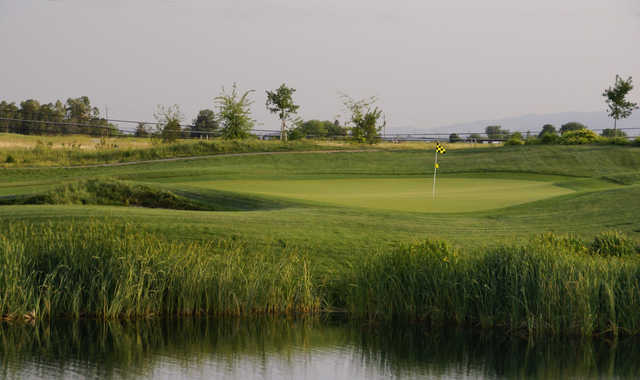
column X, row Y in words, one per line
column 108, row 192
column 108, row 271
column 553, row 284
column 559, row 285
column 14, row 141
column 109, row 151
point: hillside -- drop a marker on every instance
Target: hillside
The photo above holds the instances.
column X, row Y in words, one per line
column 599, row 185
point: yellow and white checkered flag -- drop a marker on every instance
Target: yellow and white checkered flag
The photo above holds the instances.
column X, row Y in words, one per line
column 439, row 149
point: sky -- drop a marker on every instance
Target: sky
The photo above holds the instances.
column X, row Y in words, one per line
column 429, row 62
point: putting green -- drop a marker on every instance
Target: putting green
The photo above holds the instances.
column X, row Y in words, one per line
column 402, row 194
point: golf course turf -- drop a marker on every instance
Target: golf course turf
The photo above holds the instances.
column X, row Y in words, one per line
column 317, row 216
column 369, row 199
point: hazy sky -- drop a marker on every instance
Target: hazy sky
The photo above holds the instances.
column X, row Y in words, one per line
column 431, row 62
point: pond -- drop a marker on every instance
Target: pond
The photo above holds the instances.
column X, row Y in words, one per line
column 299, row 349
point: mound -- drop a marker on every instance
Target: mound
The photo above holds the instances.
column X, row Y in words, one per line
column 109, row 192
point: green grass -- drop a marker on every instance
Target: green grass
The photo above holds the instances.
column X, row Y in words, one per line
column 330, row 224
column 400, row 193
column 109, row 271
column 592, row 204
column 108, row 193
column 552, row 285
column 22, row 153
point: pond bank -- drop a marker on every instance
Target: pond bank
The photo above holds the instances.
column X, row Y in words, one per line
column 553, row 285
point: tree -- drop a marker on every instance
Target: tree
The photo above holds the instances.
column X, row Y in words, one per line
column 295, row 134
column 80, row 111
column 619, row 107
column 315, row 128
column 142, row 130
column 74, row 116
column 516, row 135
column 608, row 132
column 54, row 115
column 571, row 126
column 204, row 124
column 495, row 132
column 29, row 110
column 547, row 129
column 336, row 129
column 8, row 111
column 454, row 137
column 234, row 113
column 366, row 119
column 475, row 137
column 169, row 119
column 281, row 103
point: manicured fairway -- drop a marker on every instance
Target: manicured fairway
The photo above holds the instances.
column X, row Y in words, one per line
column 345, row 203
column 400, row 193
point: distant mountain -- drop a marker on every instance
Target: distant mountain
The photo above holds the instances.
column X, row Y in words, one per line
column 534, row 123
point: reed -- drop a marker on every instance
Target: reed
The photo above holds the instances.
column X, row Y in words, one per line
column 107, row 271
column 557, row 285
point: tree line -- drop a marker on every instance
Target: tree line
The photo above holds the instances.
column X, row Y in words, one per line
column 231, row 118
column 76, row 115
column 573, row 132
column 569, row 132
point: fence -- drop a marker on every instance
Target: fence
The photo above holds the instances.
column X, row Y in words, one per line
column 121, row 128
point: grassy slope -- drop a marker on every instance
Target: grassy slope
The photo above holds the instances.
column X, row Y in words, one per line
column 91, row 151
column 298, row 255
column 598, row 204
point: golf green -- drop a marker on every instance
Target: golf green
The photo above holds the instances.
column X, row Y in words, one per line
column 400, row 193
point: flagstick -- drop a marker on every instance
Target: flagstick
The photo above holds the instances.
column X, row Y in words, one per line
column 435, row 170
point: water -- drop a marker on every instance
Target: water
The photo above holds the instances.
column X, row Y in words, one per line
column 298, row 349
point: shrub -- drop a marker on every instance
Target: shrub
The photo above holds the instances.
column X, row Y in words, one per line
column 10, row 159
column 533, row 141
column 613, row 243
column 609, row 132
column 548, row 128
column 295, row 134
column 636, row 142
column 572, row 126
column 614, row 141
column 514, row 140
column 171, row 131
column 549, row 138
column 454, row 137
column 579, row 137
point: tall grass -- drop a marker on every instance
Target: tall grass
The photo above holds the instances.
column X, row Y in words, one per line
column 43, row 155
column 555, row 285
column 106, row 271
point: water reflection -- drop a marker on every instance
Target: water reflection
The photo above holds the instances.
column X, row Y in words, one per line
column 308, row 348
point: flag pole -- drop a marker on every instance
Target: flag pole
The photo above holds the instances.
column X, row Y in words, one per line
column 435, row 170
